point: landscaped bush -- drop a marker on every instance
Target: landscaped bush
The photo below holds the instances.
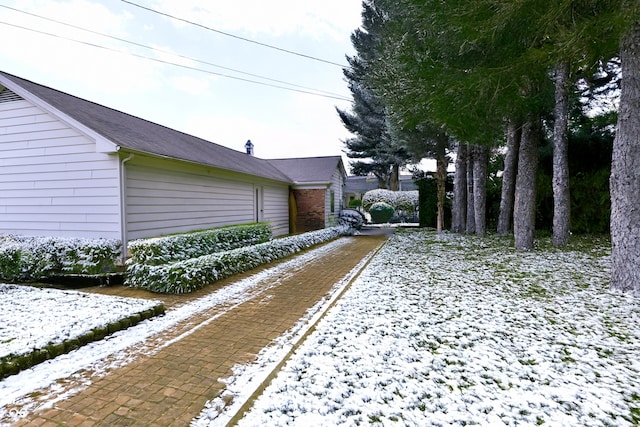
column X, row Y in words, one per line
column 380, row 195
column 355, row 203
column 180, row 247
column 25, row 258
column 407, row 201
column 351, row 218
column 192, row 274
column 381, row 212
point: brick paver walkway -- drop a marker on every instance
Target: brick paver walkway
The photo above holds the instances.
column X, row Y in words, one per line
column 169, row 386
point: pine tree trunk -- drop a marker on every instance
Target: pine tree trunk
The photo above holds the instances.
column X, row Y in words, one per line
column 471, row 216
column 459, row 220
column 480, row 166
column 561, row 196
column 625, row 172
column 509, row 178
column 524, row 209
column 394, row 178
column 441, row 179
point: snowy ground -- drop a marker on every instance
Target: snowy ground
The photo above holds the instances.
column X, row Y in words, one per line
column 461, row 330
column 44, row 384
column 437, row 330
column 32, row 318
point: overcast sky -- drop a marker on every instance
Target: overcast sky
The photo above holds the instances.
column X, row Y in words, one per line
column 280, row 123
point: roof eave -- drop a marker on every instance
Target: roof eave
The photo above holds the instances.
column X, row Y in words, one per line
column 103, row 145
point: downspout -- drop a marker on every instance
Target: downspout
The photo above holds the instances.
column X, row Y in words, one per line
column 123, row 208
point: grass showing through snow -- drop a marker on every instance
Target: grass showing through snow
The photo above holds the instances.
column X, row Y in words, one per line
column 462, row 330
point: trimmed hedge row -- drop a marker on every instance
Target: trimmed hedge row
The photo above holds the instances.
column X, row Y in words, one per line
column 180, row 247
column 13, row 363
column 25, row 258
column 192, row 274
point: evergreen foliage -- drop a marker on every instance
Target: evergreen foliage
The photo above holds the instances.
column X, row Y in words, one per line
column 29, row 258
column 590, row 145
column 381, row 212
column 372, row 141
column 194, row 273
column 466, row 68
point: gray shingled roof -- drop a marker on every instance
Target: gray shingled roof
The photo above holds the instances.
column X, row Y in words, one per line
column 136, row 134
column 308, row 169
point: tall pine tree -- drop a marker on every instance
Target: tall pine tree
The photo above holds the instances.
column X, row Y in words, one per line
column 372, row 141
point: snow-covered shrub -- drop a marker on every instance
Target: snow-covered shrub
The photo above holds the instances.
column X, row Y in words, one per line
column 25, row 258
column 380, row 195
column 381, row 212
column 351, row 218
column 179, row 247
column 407, row 201
column 192, row 274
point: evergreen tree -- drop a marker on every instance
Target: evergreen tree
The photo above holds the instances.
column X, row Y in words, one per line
column 372, row 142
column 625, row 168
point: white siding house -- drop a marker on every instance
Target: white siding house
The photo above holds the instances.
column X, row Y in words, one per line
column 333, row 198
column 52, row 180
column 73, row 168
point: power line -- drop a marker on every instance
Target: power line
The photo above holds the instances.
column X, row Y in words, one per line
column 341, row 98
column 166, row 52
column 235, row 36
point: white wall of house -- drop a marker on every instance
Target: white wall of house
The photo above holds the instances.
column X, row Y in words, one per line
column 165, row 196
column 52, row 181
column 276, row 208
column 336, row 187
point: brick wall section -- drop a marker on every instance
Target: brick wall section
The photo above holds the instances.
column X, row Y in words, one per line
column 310, row 206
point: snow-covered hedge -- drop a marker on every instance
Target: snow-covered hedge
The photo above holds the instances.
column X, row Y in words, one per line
column 25, row 258
column 351, row 218
column 399, row 200
column 407, row 201
column 180, row 247
column 192, row 274
column 378, row 195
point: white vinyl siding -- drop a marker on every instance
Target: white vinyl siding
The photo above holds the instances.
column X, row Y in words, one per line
column 52, row 181
column 336, row 187
column 276, row 208
column 165, row 197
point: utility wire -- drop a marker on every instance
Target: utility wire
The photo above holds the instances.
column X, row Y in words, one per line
column 341, row 98
column 171, row 53
column 234, row 36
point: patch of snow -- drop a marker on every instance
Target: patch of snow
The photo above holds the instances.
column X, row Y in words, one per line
column 458, row 330
column 31, row 318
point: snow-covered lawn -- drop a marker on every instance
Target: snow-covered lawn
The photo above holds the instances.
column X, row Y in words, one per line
column 31, row 318
column 461, row 330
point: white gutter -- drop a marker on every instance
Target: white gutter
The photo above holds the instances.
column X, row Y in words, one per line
column 123, row 207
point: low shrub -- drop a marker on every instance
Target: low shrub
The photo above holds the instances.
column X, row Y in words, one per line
column 351, row 218
column 26, row 258
column 180, row 247
column 379, row 195
column 381, row 212
column 407, row 201
column 192, row 274
column 355, row 203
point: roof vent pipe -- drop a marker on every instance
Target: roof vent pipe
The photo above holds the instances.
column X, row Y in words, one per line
column 249, row 147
